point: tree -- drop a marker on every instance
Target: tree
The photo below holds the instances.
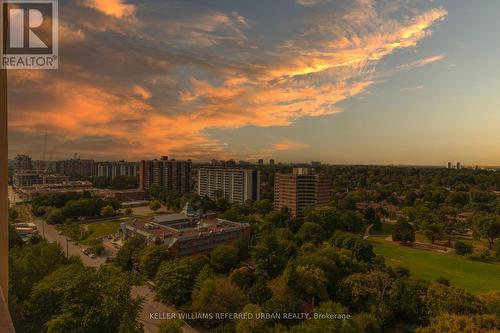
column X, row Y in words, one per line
column 370, row 215
column 346, row 240
column 487, row 226
column 458, row 199
column 74, row 298
column 279, row 218
column 29, row 264
column 55, row 217
column 263, row 206
column 311, row 232
column 308, row 281
column 155, row 205
column 150, row 259
column 446, row 322
column 171, row 326
column 403, row 232
column 218, row 295
column 128, row 255
column 440, row 299
column 243, row 277
column 332, row 219
column 272, row 250
column 175, row 279
column 108, row 211
column 432, row 230
column 463, row 248
column 96, row 246
column 406, row 302
column 368, row 289
column 155, row 191
column 260, row 292
column 223, row 258
column 254, row 325
column 15, row 239
column 326, row 309
column 129, row 211
column 13, row 214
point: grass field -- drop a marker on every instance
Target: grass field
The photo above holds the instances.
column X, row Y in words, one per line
column 104, row 228
column 474, row 276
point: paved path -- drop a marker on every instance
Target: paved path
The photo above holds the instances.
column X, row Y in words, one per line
column 150, row 305
column 367, row 231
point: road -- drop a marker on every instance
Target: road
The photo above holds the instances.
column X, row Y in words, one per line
column 52, row 235
column 150, row 305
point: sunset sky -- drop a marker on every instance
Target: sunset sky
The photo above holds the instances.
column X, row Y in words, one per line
column 341, row 81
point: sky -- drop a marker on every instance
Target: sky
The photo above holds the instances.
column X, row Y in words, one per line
column 339, row 81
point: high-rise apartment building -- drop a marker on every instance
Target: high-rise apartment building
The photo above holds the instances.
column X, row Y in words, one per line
column 234, row 184
column 301, row 188
column 117, row 169
column 76, row 168
column 23, row 163
column 171, row 175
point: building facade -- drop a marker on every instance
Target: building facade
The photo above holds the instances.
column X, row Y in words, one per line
column 26, row 179
column 301, row 188
column 171, row 175
column 236, row 185
column 76, row 168
column 187, row 236
column 23, row 163
column 117, row 169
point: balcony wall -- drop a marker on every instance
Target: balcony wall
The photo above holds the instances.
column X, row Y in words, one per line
column 5, row 320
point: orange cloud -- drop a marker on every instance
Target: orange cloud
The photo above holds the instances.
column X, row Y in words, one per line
column 114, row 8
column 306, row 76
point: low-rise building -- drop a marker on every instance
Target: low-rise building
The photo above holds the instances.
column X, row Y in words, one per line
column 29, row 192
column 32, row 178
column 185, row 235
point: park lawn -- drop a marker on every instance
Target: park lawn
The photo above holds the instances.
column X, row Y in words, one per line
column 474, row 276
column 104, row 228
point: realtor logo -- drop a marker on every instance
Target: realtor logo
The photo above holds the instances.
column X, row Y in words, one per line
column 29, row 34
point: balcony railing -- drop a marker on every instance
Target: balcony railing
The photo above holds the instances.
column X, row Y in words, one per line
column 5, row 320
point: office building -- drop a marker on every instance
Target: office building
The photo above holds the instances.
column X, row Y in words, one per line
column 117, row 169
column 271, row 162
column 449, row 165
column 301, row 188
column 171, row 175
column 76, row 168
column 23, row 163
column 234, row 184
column 459, row 166
column 260, row 162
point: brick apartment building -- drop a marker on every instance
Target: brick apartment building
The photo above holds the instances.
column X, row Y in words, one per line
column 76, row 168
column 172, row 175
column 301, row 188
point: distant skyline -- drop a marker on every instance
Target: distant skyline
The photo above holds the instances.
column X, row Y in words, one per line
column 410, row 82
